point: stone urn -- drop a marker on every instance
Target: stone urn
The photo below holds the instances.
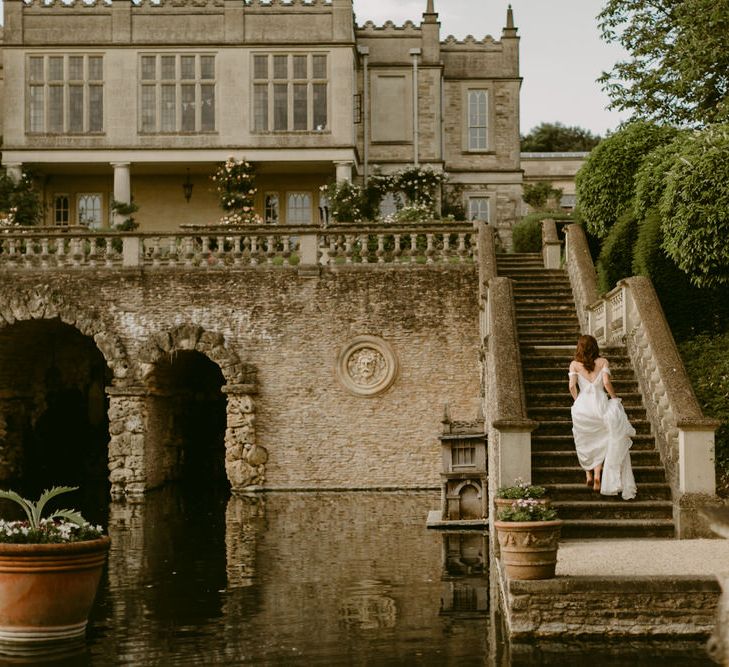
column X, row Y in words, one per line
column 529, row 548
column 47, row 590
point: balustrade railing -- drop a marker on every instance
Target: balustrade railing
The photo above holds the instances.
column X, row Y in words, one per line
column 229, row 247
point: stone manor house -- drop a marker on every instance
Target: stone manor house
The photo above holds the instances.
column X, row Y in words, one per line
column 116, row 100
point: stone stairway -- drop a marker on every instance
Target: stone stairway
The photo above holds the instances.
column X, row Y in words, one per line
column 548, row 329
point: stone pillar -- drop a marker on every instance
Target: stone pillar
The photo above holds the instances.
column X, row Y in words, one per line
column 14, row 171
column 344, row 171
column 245, row 461
column 122, row 186
column 127, row 431
column 415, row 54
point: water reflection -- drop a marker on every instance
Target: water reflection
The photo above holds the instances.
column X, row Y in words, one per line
column 289, row 578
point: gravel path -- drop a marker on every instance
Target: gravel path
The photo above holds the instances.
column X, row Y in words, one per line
column 659, row 557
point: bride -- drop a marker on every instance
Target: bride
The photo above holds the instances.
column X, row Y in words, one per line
column 600, row 426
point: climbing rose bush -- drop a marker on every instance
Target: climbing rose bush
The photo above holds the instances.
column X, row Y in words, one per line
column 235, row 184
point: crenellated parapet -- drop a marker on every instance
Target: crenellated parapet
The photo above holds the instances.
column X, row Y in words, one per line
column 369, row 29
column 470, row 43
column 161, row 4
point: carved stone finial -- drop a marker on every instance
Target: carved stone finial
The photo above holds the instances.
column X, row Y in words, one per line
column 510, row 29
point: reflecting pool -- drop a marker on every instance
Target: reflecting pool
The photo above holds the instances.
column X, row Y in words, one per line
column 199, row 577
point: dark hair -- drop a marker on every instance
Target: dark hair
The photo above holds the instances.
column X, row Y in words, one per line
column 587, row 351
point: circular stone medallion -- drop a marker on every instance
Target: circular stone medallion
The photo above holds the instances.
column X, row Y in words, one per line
column 367, row 366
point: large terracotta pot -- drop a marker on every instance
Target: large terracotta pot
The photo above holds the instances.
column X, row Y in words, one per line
column 529, row 548
column 47, row 590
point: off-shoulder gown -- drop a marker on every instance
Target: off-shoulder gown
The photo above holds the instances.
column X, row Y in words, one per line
column 603, row 435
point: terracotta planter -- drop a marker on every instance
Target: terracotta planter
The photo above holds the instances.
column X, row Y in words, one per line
column 47, row 590
column 529, row 548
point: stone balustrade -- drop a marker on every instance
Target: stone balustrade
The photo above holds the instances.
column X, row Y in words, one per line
column 230, row 247
column 631, row 315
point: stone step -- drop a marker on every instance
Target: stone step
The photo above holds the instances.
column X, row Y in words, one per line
column 540, row 280
column 563, row 400
column 567, row 492
column 547, row 339
column 568, row 326
column 554, row 443
column 523, row 287
column 544, row 413
column 558, row 374
column 631, row 528
column 545, row 301
column 536, row 388
column 535, row 310
column 566, row 353
column 531, row 360
column 613, row 509
column 564, row 427
column 561, row 459
column 572, row 475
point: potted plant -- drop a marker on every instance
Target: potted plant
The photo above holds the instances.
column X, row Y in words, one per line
column 521, row 490
column 50, row 568
column 528, row 533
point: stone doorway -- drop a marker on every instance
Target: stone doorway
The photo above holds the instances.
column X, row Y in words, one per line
column 187, row 420
column 54, row 427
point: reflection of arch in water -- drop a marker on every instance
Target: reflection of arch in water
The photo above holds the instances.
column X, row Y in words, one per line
column 245, row 523
column 199, row 390
column 54, row 427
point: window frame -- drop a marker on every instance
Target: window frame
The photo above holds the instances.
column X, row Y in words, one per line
column 100, row 195
column 306, row 193
column 473, row 87
column 268, row 91
column 480, row 198
column 56, row 197
column 40, row 118
column 161, row 84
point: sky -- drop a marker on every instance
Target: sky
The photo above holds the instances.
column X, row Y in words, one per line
column 561, row 53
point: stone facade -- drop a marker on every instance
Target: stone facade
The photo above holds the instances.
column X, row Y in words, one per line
column 133, row 100
column 276, row 337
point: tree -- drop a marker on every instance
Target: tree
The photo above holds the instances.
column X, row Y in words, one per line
column 678, row 65
column 539, row 194
column 555, row 138
column 605, row 183
column 20, row 202
column 694, row 208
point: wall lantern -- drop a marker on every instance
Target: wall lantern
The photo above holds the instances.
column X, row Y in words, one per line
column 187, row 187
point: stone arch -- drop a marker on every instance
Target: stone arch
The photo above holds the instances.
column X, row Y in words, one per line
column 245, row 460
column 470, row 499
column 42, row 302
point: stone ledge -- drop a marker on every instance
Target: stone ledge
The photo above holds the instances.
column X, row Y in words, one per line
column 632, row 585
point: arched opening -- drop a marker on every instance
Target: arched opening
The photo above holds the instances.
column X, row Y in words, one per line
column 54, row 427
column 187, row 420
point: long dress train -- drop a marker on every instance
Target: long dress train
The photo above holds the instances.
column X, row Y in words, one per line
column 603, row 435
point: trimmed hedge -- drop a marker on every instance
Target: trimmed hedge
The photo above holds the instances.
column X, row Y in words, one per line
column 527, row 235
column 689, row 309
column 707, row 362
column 616, row 257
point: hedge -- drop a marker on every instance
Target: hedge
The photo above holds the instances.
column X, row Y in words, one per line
column 616, row 257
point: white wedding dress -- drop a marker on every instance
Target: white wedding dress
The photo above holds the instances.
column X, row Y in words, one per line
column 603, row 435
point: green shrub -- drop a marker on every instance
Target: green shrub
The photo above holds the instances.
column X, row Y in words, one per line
column 681, row 300
column 650, row 179
column 605, row 183
column 527, row 235
column 695, row 208
column 616, row 256
column 707, row 362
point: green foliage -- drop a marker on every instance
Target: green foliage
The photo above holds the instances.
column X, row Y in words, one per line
column 378, row 185
column 526, row 235
column 20, row 203
column 616, row 256
column 420, row 185
column 527, row 509
column 452, row 205
column 678, row 64
column 235, row 184
column 695, row 208
column 681, row 301
column 650, row 179
column 539, row 194
column 521, row 489
column 556, row 137
column 707, row 362
column 345, row 201
column 120, row 208
column 34, row 510
column 605, row 183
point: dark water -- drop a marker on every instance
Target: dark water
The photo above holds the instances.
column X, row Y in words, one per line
column 197, row 577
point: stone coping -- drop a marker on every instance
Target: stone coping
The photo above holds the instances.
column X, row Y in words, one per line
column 620, row 584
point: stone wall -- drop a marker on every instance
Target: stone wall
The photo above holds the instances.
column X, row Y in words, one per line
column 278, row 338
column 602, row 607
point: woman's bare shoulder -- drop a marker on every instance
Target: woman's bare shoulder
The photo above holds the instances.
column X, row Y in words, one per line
column 601, row 362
